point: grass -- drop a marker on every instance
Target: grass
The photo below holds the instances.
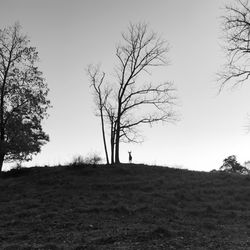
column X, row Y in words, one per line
column 123, row 207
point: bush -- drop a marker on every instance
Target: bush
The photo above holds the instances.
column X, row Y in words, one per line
column 91, row 159
column 231, row 165
column 77, row 161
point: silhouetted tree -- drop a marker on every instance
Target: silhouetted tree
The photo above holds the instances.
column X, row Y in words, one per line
column 101, row 95
column 134, row 101
column 104, row 109
column 236, row 28
column 231, row 165
column 23, row 97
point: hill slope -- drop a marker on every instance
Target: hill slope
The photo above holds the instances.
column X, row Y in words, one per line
column 123, row 207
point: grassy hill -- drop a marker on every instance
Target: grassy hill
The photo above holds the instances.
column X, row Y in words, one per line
column 123, row 207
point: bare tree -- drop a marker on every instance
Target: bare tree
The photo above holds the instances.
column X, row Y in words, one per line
column 111, row 119
column 106, row 112
column 236, row 29
column 134, row 101
column 96, row 79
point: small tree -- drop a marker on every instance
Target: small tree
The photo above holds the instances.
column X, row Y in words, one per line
column 231, row 165
column 23, row 97
column 133, row 101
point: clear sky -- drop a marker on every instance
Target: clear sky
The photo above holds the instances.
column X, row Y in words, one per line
column 70, row 34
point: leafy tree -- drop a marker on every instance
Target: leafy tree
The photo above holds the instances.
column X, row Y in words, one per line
column 231, row 165
column 23, row 97
column 131, row 101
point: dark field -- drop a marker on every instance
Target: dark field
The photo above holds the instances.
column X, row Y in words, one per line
column 123, row 207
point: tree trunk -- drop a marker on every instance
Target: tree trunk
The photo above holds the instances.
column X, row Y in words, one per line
column 1, row 161
column 112, row 146
column 2, row 129
column 117, row 132
column 112, row 139
column 112, row 151
column 104, row 139
column 117, row 142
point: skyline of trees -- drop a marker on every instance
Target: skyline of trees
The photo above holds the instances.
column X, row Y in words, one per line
column 23, row 90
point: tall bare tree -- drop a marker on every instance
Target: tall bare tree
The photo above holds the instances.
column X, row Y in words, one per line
column 105, row 110
column 23, row 97
column 134, row 101
column 236, row 29
column 101, row 95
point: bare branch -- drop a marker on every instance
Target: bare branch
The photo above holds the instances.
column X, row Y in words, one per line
column 135, row 103
column 236, row 29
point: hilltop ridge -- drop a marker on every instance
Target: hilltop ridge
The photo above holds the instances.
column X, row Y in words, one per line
column 123, row 207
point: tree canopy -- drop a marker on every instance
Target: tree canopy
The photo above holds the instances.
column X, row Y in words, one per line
column 231, row 165
column 23, row 97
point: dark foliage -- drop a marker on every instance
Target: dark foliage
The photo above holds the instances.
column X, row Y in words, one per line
column 231, row 165
column 23, row 97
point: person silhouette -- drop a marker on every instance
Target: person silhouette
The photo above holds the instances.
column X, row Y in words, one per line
column 130, row 157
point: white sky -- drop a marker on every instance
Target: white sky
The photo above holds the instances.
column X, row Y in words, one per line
column 70, row 34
